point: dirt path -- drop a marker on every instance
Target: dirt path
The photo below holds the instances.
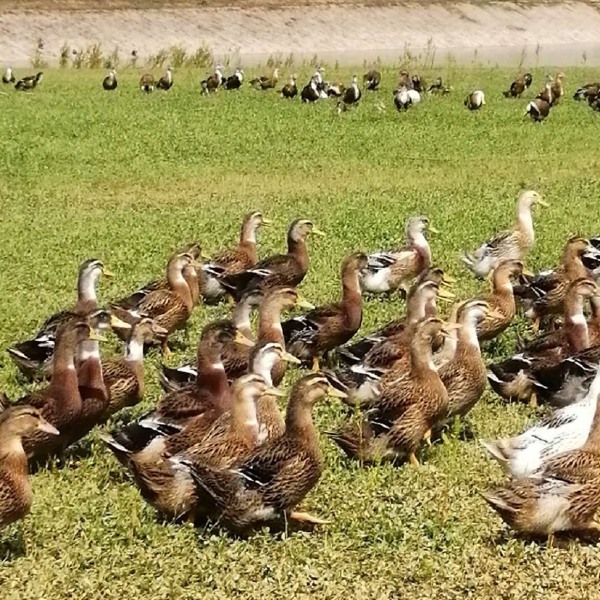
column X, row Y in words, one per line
column 496, row 33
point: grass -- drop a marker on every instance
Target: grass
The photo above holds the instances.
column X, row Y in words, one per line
column 128, row 178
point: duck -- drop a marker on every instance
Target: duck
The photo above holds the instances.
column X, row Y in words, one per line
column 310, row 92
column 563, row 430
column 547, row 94
column 335, row 90
column 321, row 84
column 326, row 327
column 544, row 293
column 538, row 110
column 390, row 342
column 404, row 80
column 406, row 410
column 464, row 374
column 501, row 300
column 233, row 260
column 518, row 86
column 557, row 89
column 213, row 82
column 438, row 87
column 404, row 98
column 230, row 438
column 30, row 82
column 587, row 91
column 389, row 271
column 290, row 89
column 352, row 94
column 60, row 402
column 147, row 83
column 563, row 496
column 16, row 495
column 541, row 371
column 110, row 82
column 235, row 81
column 124, row 376
column 170, row 308
column 166, row 81
column 268, row 486
column 280, row 270
column 475, row 100
column 512, row 244
column 266, row 82
column 235, row 357
column 418, row 84
column 372, row 80
column 8, row 76
column 33, row 357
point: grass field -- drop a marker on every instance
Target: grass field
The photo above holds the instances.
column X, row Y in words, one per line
column 127, row 179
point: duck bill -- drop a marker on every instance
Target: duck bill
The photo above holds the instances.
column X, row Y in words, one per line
column 96, row 336
column 449, row 330
column 266, row 221
column 302, row 303
column 273, row 391
column 242, row 340
column 318, row 232
column 446, row 295
column 204, row 256
column 107, row 273
column 335, row 393
column 543, row 203
column 158, row 330
column 48, row 428
column 528, row 273
column 447, row 280
column 117, row 323
column 290, row 358
column 433, row 229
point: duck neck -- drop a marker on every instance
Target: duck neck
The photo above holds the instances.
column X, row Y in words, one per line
column 525, row 220
column 244, row 420
column 467, row 341
column 263, row 365
column 248, row 241
column 421, row 358
column 352, row 298
column 419, row 242
column 502, row 285
column 86, row 290
column 13, row 459
column 89, row 373
column 179, row 286
column 134, row 350
column 64, row 382
column 576, row 326
column 211, row 372
column 299, row 422
column 191, row 278
column 269, row 323
column 241, row 317
column 298, row 249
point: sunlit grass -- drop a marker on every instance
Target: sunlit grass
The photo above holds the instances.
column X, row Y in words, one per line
column 127, row 178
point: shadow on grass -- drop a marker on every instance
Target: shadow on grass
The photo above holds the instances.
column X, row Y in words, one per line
column 13, row 547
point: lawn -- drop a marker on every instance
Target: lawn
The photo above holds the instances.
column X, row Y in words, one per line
column 128, row 178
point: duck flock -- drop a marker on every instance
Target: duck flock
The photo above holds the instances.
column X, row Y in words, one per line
column 409, row 90
column 218, row 445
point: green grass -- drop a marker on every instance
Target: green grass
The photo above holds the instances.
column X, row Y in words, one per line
column 128, row 178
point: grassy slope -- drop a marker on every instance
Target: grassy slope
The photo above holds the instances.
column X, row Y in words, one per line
column 128, row 178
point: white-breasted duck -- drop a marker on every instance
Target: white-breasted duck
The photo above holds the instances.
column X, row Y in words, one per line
column 110, row 82
column 352, row 94
column 538, row 110
column 234, row 82
column 512, row 244
column 30, row 82
column 290, row 89
column 8, row 76
column 475, row 100
column 212, row 83
column 405, row 97
column 166, row 81
column 585, row 92
column 518, row 86
column 310, row 92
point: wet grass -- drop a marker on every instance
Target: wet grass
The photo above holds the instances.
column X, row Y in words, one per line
column 127, row 178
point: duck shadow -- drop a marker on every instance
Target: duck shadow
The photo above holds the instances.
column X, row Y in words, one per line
column 562, row 539
column 13, row 548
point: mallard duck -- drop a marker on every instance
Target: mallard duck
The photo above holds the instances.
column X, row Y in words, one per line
column 235, row 357
column 408, row 407
column 553, row 91
column 539, row 371
column 280, row 270
column 290, row 89
column 166, row 81
column 171, row 308
column 372, row 80
column 147, row 83
column 15, row 489
column 564, row 496
column 326, row 327
column 110, row 82
column 234, row 260
column 29, row 83
column 265, row 82
column 501, row 300
column 438, row 88
column 564, row 430
column 475, row 100
column 228, row 439
column 269, row 485
column 211, row 84
column 545, row 292
column 390, row 270
column 60, row 402
column 518, row 86
column 587, row 91
column 537, row 110
column 464, row 374
column 507, row 245
column 124, row 376
column 389, row 343
column 34, row 357
column 8, row 76
column 352, row 94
